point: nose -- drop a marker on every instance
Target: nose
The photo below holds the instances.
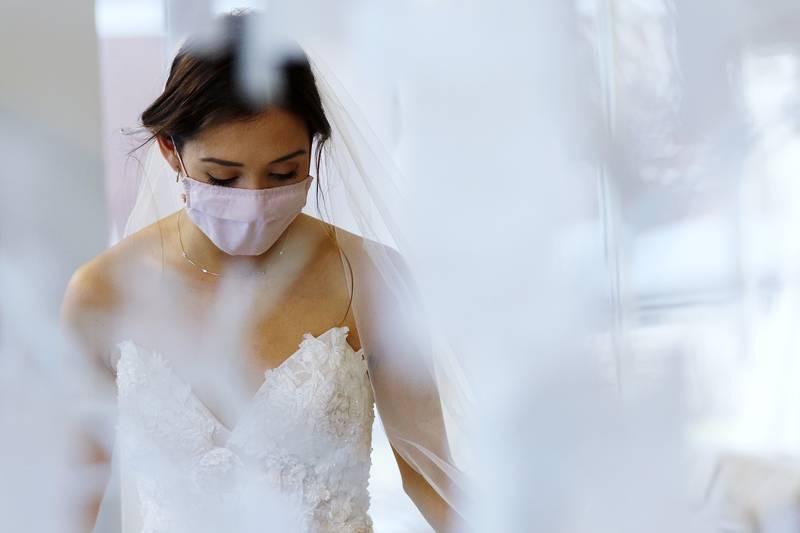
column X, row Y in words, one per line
column 251, row 181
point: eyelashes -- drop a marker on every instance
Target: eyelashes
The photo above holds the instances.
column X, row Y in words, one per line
column 229, row 181
column 284, row 177
column 222, row 183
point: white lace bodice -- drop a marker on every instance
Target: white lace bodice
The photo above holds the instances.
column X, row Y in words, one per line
column 297, row 460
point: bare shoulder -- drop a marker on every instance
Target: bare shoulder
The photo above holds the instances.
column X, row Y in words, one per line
column 319, row 229
column 371, row 267
column 96, row 282
column 94, row 291
column 354, row 245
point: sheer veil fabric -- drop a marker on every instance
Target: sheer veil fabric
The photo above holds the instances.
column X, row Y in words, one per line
column 420, row 389
column 418, row 384
column 570, row 138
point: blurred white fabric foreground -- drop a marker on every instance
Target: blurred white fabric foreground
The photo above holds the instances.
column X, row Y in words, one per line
column 604, row 210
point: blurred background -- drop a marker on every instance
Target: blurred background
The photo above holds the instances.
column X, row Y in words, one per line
column 615, row 179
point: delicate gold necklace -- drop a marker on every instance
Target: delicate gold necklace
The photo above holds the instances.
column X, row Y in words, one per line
column 217, row 274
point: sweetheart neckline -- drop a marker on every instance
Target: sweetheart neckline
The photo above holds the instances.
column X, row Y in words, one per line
column 227, row 431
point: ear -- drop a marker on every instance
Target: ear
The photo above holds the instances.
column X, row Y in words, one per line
column 168, row 151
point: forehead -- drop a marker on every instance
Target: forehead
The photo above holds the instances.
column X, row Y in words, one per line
column 267, row 136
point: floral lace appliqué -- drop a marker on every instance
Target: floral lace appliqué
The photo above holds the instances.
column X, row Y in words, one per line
column 303, row 444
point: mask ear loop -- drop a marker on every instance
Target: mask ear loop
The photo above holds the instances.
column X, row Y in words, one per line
column 180, row 160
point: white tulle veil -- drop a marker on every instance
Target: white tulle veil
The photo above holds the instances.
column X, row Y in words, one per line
column 420, row 390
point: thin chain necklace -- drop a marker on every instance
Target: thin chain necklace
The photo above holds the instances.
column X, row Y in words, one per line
column 209, row 272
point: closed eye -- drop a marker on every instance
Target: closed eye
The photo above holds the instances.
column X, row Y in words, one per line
column 227, row 182
column 282, row 177
column 224, row 183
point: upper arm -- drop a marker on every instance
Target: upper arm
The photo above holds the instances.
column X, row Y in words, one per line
column 86, row 312
column 400, row 348
column 85, row 316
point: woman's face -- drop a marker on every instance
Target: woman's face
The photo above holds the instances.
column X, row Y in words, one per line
column 271, row 150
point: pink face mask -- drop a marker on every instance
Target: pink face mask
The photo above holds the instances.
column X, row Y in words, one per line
column 243, row 221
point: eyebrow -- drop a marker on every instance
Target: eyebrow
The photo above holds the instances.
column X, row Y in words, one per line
column 226, row 163
column 288, row 156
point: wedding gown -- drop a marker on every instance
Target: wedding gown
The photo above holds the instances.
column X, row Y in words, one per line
column 298, row 458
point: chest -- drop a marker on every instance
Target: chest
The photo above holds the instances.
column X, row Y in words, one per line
column 222, row 345
column 260, row 321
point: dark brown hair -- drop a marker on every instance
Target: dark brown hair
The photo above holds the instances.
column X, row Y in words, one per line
column 204, row 88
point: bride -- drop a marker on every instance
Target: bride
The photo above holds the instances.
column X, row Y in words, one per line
column 228, row 333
